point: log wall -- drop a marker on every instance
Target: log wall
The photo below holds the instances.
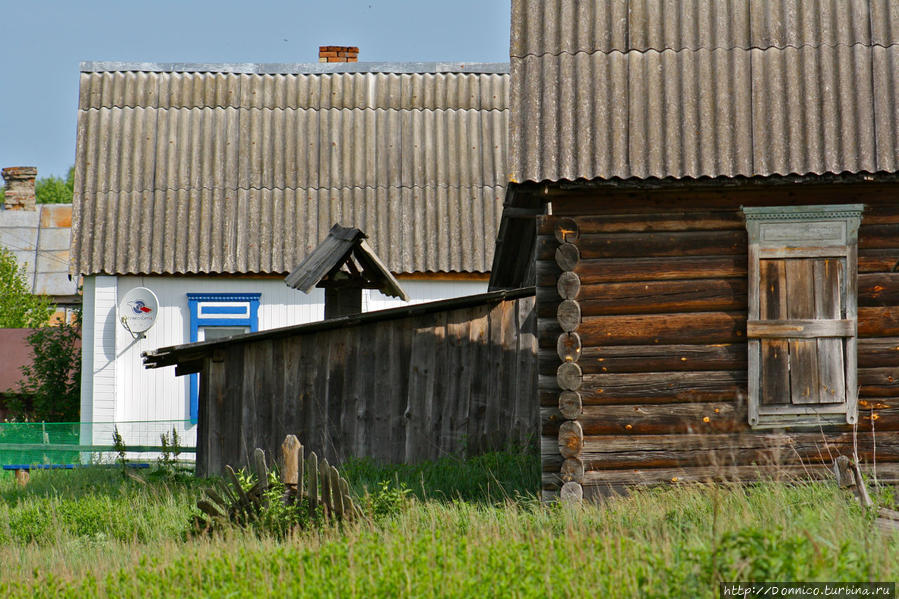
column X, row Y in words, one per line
column 661, row 367
column 400, row 390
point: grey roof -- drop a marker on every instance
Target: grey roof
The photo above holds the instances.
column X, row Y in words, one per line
column 703, row 88
column 40, row 241
column 243, row 168
column 343, row 244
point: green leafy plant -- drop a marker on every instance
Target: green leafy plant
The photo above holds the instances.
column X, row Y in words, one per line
column 18, row 307
column 52, row 381
column 387, row 499
column 118, row 445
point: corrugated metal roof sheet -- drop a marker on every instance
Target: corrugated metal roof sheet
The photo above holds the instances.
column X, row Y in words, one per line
column 694, row 88
column 397, row 91
column 242, row 171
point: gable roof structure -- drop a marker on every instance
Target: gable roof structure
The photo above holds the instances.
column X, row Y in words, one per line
column 345, row 246
column 188, row 169
column 605, row 89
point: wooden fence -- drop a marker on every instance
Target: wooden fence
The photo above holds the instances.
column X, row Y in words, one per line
column 400, row 386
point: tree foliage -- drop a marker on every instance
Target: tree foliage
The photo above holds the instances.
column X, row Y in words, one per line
column 54, row 190
column 18, row 307
column 53, row 379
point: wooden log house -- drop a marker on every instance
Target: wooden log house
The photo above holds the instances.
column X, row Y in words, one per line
column 711, row 218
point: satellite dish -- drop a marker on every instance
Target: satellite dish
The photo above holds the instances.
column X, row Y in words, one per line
column 137, row 311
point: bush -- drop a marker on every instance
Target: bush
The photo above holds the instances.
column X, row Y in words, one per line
column 53, row 379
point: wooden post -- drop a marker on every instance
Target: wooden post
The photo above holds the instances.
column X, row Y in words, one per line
column 312, row 469
column 290, row 455
column 260, row 468
column 326, row 488
column 22, row 477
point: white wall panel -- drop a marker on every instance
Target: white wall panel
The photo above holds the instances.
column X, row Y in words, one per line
column 122, row 390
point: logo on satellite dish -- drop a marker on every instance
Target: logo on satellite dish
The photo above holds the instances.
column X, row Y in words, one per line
column 140, row 307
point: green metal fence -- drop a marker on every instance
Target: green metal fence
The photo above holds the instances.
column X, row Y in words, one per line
column 89, row 442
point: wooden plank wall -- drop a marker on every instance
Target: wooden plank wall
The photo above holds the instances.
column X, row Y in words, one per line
column 460, row 381
column 663, row 306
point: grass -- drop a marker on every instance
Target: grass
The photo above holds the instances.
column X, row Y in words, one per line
column 468, row 528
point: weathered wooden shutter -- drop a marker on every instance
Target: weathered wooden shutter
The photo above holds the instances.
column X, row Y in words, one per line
column 802, row 314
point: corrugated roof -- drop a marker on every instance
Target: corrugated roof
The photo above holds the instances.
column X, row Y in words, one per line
column 703, row 88
column 239, row 168
column 40, row 241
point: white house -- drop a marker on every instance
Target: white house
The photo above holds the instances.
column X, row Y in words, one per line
column 207, row 184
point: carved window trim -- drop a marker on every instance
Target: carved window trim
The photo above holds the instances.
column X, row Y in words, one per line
column 798, row 239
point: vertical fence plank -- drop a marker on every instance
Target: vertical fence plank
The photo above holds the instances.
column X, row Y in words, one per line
column 290, row 456
column 312, row 478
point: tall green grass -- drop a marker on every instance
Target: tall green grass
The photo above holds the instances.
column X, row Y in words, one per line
column 477, row 538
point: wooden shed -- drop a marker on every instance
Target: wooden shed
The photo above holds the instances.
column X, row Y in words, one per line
column 452, row 377
column 712, row 220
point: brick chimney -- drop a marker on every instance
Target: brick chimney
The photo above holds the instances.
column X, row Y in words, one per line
column 338, row 54
column 19, row 188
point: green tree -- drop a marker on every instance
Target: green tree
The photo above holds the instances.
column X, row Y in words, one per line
column 53, row 190
column 53, row 379
column 18, row 307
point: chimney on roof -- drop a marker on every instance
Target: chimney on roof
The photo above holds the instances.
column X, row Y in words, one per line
column 19, row 187
column 338, row 54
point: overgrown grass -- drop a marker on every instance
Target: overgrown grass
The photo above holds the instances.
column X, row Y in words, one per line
column 463, row 534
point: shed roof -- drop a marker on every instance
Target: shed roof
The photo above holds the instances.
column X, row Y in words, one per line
column 40, row 241
column 605, row 89
column 196, row 168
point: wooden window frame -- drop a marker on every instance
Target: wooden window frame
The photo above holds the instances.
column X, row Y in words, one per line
column 783, row 232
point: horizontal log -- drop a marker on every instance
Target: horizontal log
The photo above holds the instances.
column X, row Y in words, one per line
column 878, row 382
column 681, row 220
column 654, row 329
column 882, row 260
column 595, row 480
column 697, row 328
column 615, row 270
column 666, row 358
column 873, row 353
column 888, row 472
column 878, row 289
column 879, row 236
column 648, row 297
column 700, row 418
column 581, row 202
column 639, row 245
column 669, row 451
column 877, row 322
column 799, row 328
column 658, row 387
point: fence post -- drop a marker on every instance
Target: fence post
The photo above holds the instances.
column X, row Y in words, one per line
column 290, row 454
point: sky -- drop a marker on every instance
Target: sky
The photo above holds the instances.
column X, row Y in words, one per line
column 42, row 43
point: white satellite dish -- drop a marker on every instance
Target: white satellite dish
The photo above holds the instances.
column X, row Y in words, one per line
column 138, row 310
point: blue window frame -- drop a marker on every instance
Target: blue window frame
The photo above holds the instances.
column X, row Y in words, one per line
column 218, row 310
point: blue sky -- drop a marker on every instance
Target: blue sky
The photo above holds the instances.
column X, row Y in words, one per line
column 42, row 43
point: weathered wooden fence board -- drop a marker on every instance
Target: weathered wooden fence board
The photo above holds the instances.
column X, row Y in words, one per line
column 450, row 381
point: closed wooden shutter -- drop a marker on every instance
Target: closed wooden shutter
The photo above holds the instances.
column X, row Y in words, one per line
column 802, row 314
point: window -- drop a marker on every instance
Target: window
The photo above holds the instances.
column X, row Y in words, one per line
column 216, row 316
column 802, row 314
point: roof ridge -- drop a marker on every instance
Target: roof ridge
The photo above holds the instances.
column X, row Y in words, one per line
column 311, row 68
column 82, row 192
